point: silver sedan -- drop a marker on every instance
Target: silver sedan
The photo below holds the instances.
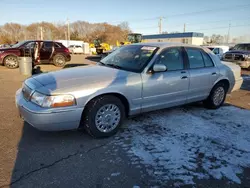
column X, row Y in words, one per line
column 133, row 79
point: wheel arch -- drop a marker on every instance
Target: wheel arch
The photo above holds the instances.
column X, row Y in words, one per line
column 120, row 96
column 3, row 62
column 224, row 81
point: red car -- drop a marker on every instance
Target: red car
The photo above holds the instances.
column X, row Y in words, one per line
column 41, row 52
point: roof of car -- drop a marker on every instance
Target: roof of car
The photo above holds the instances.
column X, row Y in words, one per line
column 165, row 44
column 41, row 41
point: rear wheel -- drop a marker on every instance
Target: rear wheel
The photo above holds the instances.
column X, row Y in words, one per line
column 11, row 62
column 103, row 116
column 59, row 60
column 217, row 96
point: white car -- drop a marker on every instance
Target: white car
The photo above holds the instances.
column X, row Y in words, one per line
column 218, row 50
column 76, row 49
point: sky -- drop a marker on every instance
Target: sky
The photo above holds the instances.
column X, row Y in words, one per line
column 208, row 17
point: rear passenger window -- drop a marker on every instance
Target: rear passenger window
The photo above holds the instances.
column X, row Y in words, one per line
column 57, row 45
column 195, row 58
column 208, row 61
column 48, row 44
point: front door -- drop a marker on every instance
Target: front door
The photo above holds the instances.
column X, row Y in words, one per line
column 169, row 88
column 46, row 51
column 203, row 74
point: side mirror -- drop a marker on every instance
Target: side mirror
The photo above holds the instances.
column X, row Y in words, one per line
column 159, row 68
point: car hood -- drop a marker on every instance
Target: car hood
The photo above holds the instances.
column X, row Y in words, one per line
column 72, row 79
column 239, row 52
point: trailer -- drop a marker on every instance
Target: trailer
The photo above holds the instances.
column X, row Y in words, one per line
column 68, row 43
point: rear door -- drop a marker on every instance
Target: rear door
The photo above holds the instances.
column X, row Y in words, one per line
column 202, row 72
column 46, row 51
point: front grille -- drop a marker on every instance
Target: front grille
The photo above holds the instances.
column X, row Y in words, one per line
column 234, row 57
column 238, row 57
column 26, row 92
column 228, row 56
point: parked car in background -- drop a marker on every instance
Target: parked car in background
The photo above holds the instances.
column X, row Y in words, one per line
column 76, row 49
column 133, row 79
column 218, row 50
column 239, row 54
column 5, row 45
column 49, row 52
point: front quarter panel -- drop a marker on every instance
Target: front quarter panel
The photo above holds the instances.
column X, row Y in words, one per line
column 128, row 85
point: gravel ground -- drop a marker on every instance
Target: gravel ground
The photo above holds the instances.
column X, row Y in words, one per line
column 154, row 149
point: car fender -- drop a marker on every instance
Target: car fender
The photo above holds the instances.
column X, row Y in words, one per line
column 133, row 108
column 220, row 79
column 6, row 55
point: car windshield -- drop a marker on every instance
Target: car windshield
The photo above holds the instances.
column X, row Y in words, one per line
column 244, row 47
column 131, row 58
column 18, row 44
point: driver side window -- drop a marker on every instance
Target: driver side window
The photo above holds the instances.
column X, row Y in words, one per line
column 172, row 58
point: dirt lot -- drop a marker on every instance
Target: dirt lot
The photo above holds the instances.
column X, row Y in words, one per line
column 161, row 149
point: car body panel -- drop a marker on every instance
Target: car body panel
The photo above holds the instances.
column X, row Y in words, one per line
column 144, row 91
column 164, row 89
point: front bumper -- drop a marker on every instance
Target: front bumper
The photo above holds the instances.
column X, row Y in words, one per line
column 48, row 119
column 242, row 64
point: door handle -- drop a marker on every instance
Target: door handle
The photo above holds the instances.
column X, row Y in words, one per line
column 214, row 73
column 184, row 77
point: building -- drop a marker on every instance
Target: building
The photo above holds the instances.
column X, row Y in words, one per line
column 187, row 38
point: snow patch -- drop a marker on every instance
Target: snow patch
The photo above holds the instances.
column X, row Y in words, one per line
column 186, row 143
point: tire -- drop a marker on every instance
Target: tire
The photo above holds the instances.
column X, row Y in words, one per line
column 217, row 96
column 11, row 62
column 59, row 60
column 111, row 117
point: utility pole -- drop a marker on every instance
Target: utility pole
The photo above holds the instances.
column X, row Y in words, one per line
column 41, row 32
column 66, row 37
column 68, row 31
column 184, row 28
column 160, row 25
column 228, row 34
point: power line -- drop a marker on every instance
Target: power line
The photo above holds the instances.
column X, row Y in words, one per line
column 188, row 13
column 211, row 28
column 206, row 22
column 200, row 23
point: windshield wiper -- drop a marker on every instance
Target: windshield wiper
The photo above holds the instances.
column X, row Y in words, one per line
column 113, row 65
column 101, row 63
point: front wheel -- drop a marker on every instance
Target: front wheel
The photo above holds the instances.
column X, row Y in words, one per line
column 103, row 116
column 11, row 62
column 59, row 60
column 217, row 96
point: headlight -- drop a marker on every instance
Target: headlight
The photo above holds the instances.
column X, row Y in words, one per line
column 1, row 52
column 52, row 101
